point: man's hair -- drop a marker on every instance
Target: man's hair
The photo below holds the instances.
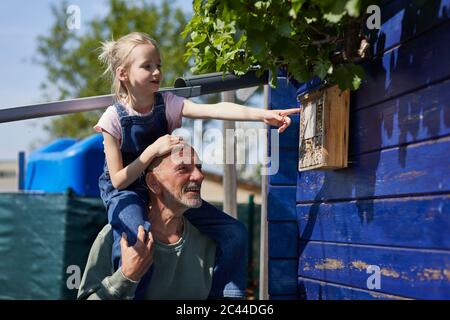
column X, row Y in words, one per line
column 156, row 161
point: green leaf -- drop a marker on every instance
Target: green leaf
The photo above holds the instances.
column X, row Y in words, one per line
column 349, row 76
column 353, row 7
column 322, row 68
column 284, row 29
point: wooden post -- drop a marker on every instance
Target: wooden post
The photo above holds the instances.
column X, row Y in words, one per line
column 229, row 167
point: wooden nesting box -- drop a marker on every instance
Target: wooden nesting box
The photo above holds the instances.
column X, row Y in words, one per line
column 324, row 126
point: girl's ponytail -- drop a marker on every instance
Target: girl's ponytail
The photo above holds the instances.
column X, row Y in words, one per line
column 115, row 54
column 106, row 56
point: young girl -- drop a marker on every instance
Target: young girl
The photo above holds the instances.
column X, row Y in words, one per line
column 136, row 129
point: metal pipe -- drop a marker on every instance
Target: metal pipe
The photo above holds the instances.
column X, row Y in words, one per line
column 185, row 87
column 75, row 105
column 219, row 82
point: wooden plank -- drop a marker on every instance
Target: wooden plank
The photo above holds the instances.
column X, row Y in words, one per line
column 282, row 240
column 406, row 68
column 309, row 289
column 284, row 168
column 284, row 96
column 288, row 140
column 281, row 202
column 420, row 115
column 421, row 222
column 404, row 19
column 417, row 168
column 413, row 273
column 336, row 127
column 283, row 276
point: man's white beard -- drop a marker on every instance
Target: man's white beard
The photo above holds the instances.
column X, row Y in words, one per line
column 185, row 202
column 191, row 203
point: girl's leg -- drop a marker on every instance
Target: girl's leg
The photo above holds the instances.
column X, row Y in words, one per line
column 231, row 236
column 126, row 212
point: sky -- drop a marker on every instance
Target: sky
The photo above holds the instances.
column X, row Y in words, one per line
column 21, row 21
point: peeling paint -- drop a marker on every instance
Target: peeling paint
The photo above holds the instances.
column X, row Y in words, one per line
column 330, row 264
column 431, row 274
column 360, row 265
column 390, row 273
column 410, row 175
column 404, row 277
column 447, row 274
column 387, row 296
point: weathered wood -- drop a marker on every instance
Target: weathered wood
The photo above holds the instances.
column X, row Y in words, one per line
column 287, row 168
column 417, row 116
column 288, row 140
column 404, row 19
column 281, row 244
column 417, row 168
column 420, row 222
column 309, row 289
column 283, row 276
column 406, row 68
column 413, row 273
column 284, row 95
column 280, row 203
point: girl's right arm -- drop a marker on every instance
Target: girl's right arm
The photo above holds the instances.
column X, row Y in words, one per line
column 122, row 177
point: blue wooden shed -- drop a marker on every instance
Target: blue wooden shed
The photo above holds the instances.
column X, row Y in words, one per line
column 330, row 232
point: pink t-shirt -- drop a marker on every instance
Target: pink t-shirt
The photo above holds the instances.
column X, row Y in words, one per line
column 109, row 121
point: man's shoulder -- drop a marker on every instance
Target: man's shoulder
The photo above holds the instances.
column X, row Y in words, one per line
column 105, row 235
column 205, row 211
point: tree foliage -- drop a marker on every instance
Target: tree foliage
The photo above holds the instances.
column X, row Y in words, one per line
column 70, row 57
column 307, row 37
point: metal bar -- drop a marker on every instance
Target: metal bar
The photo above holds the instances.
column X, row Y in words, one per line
column 220, row 82
column 76, row 105
column 264, row 243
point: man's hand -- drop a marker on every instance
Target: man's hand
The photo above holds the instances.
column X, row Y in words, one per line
column 137, row 259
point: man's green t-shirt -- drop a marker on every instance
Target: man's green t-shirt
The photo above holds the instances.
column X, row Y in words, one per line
column 182, row 270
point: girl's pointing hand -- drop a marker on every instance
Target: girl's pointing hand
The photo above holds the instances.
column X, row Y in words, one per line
column 279, row 118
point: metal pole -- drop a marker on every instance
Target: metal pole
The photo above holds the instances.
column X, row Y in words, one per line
column 21, row 171
column 263, row 258
column 251, row 225
column 229, row 167
column 75, row 105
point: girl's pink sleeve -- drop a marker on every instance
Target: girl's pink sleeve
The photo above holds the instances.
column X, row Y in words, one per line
column 174, row 107
column 109, row 121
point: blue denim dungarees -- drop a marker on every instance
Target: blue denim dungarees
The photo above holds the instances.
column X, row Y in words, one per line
column 127, row 209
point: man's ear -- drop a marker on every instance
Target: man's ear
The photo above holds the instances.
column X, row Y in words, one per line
column 152, row 182
column 122, row 73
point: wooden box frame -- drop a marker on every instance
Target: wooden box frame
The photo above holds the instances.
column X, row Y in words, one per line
column 324, row 121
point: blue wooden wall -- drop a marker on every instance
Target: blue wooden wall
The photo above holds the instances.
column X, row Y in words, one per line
column 391, row 206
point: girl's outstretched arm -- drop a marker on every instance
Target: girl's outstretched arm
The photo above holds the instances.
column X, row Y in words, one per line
column 236, row 112
column 122, row 177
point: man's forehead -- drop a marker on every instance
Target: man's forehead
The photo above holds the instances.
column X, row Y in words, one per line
column 183, row 156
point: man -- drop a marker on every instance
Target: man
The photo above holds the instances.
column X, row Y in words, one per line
column 183, row 258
